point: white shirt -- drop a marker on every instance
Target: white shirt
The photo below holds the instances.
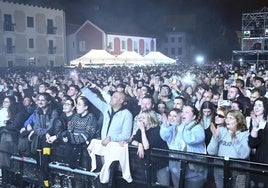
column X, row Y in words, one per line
column 3, row 117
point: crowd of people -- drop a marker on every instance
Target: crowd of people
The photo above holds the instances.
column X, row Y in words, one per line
column 216, row 110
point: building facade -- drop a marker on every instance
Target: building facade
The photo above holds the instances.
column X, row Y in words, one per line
column 89, row 36
column 120, row 43
column 177, row 45
column 31, row 35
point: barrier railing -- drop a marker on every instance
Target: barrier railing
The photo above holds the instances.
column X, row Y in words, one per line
column 227, row 165
column 143, row 171
column 29, row 171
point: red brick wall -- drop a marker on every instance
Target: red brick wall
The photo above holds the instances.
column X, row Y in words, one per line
column 91, row 36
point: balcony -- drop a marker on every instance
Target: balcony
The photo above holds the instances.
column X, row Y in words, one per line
column 51, row 30
column 9, row 26
column 52, row 50
column 10, row 49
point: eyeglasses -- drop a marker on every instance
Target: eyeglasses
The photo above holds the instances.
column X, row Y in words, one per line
column 220, row 116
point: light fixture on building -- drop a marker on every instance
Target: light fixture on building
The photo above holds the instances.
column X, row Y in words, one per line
column 266, row 32
column 246, row 33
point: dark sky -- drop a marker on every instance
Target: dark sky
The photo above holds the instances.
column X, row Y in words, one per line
column 216, row 20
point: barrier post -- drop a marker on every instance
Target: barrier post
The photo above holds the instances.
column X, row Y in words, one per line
column 182, row 173
column 227, row 176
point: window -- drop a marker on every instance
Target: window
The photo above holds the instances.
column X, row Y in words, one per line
column 179, row 39
column 50, row 27
column 10, row 64
column 31, row 43
column 51, row 48
column 179, row 51
column 110, row 46
column 8, row 25
column 147, row 48
column 30, row 21
column 172, row 51
column 82, row 46
column 172, row 39
column 123, row 45
column 135, row 46
column 51, row 63
column 9, row 47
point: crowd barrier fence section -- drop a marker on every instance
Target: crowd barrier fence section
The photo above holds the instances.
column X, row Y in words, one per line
column 143, row 171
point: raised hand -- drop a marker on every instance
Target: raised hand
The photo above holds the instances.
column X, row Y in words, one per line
column 215, row 131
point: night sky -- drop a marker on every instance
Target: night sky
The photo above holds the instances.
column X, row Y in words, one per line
column 216, row 20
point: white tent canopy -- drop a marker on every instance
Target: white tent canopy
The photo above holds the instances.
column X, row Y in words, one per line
column 94, row 57
column 158, row 57
column 130, row 57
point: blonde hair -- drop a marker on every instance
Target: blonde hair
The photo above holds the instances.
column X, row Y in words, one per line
column 152, row 118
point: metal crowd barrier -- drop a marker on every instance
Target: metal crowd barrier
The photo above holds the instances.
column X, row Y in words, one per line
column 228, row 166
column 143, row 172
column 29, row 171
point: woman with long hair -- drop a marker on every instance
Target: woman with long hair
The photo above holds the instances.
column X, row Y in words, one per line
column 147, row 137
column 207, row 115
column 230, row 141
column 257, row 139
column 12, row 117
column 258, row 130
column 217, row 121
column 183, row 132
column 8, row 110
